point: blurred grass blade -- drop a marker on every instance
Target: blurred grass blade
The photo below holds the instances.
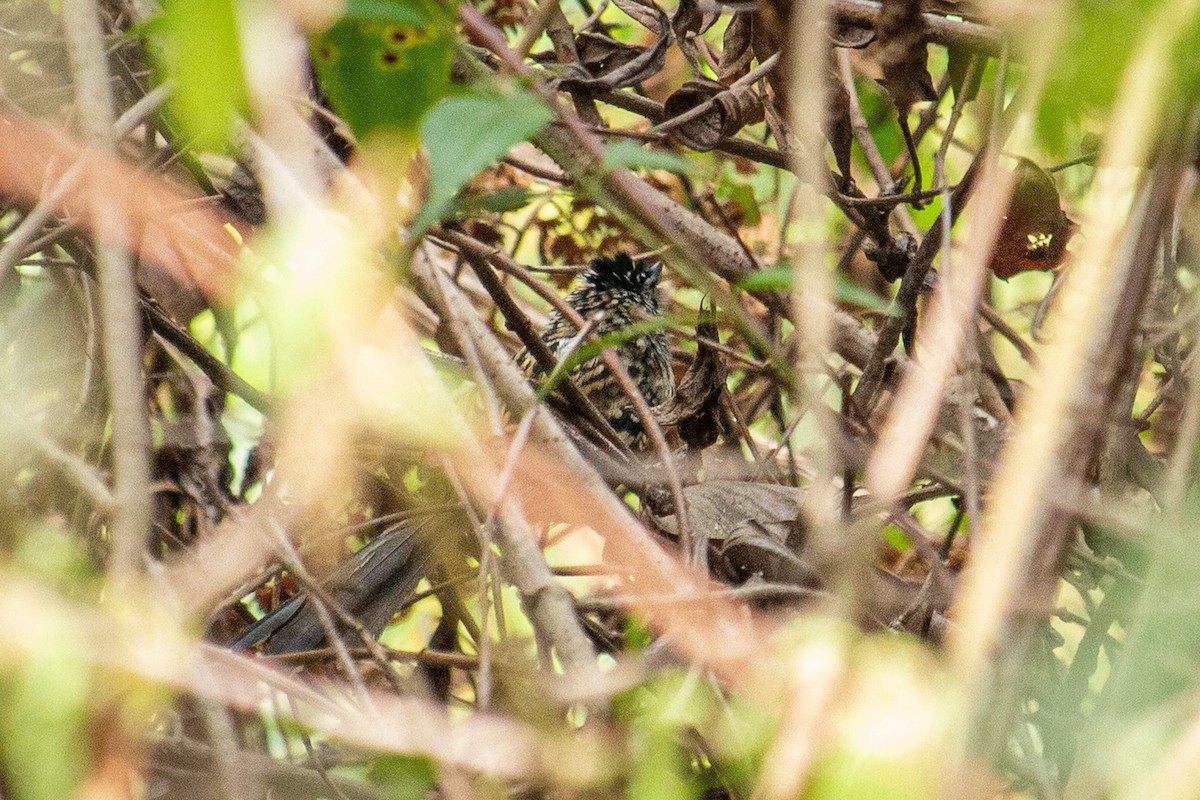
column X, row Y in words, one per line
column 196, row 43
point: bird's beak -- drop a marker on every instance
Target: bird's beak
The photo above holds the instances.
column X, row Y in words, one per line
column 655, row 271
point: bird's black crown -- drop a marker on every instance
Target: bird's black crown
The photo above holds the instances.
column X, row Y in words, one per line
column 622, row 272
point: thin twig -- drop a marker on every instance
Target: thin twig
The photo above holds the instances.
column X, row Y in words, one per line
column 217, row 371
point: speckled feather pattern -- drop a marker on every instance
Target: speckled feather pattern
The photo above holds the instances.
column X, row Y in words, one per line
column 627, row 292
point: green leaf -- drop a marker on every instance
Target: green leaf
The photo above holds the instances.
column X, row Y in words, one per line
column 846, row 291
column 463, row 135
column 637, row 634
column 43, row 721
column 404, row 776
column 389, row 10
column 742, row 194
column 896, row 538
column 779, row 278
column 386, row 63
column 631, row 154
column 195, row 42
column 768, row 279
column 882, row 119
column 500, row 201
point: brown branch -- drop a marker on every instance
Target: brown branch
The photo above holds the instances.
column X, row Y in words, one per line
column 549, row 605
column 121, row 326
column 911, row 286
column 939, row 29
column 474, row 252
column 217, row 371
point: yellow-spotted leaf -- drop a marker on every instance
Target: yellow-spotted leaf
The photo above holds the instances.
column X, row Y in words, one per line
column 386, row 63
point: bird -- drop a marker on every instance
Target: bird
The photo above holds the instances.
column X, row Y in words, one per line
column 372, row 584
column 625, row 292
column 375, row 581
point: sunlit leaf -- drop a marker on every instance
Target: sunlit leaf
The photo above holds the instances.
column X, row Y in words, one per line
column 742, row 195
column 463, row 135
column 43, row 714
column 1035, row 231
column 404, row 776
column 778, row 279
column 632, row 154
column 888, row 729
column 499, row 201
column 386, row 63
column 195, row 42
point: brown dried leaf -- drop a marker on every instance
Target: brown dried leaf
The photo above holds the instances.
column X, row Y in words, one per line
column 1036, row 231
column 959, row 68
column 695, row 408
column 838, row 128
column 646, row 63
column 844, row 34
column 717, row 508
column 647, row 14
column 902, row 53
column 603, row 54
column 759, row 530
column 736, row 50
column 509, row 12
column 687, row 19
column 730, row 111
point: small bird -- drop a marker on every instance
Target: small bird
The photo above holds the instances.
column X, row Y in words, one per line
column 374, row 582
column 625, row 291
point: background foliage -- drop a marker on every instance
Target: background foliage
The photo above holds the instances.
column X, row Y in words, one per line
column 921, row 522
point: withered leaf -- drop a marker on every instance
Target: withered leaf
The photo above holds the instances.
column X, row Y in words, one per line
column 687, row 19
column 902, row 53
column 730, row 111
column 844, row 34
column 603, row 54
column 838, row 128
column 959, row 8
column 647, row 14
column 753, row 548
column 891, row 254
column 963, row 79
column 645, row 63
column 695, row 408
column 736, row 50
column 717, row 508
column 1035, row 231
